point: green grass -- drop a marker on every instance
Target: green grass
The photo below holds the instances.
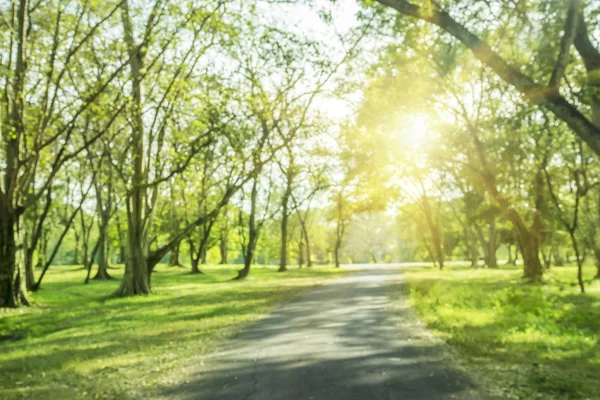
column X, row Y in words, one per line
column 79, row 342
column 523, row 341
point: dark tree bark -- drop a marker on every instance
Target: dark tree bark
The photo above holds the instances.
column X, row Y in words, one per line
column 309, row 262
column 253, row 233
column 591, row 59
column 76, row 251
column 570, row 225
column 122, row 247
column 305, row 236
column 510, row 259
column 174, row 259
column 340, row 229
column 136, row 277
column 434, row 228
column 527, row 238
column 473, row 250
column 102, row 273
column 195, row 265
column 284, row 228
column 224, row 247
column 37, row 239
column 29, row 274
column 89, row 263
column 198, row 254
column 301, row 250
column 558, row 259
column 12, row 273
column 13, row 292
column 597, row 262
column 489, row 246
column 546, row 257
column 104, row 210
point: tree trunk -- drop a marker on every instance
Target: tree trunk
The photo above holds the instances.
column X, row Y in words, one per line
column 579, row 260
column 223, row 248
column 203, row 253
column 195, row 255
column 284, row 233
column 536, row 93
column 338, row 242
column 174, row 259
column 29, row 250
column 301, row 250
column 471, row 243
column 484, row 246
column 30, row 276
column 243, row 273
column 434, row 229
column 373, row 256
column 249, row 254
column 340, row 229
column 136, row 278
column 492, row 246
column 474, row 253
column 528, row 241
column 546, row 257
column 591, row 60
column 85, row 245
column 309, row 262
column 195, row 263
column 122, row 247
column 13, row 292
column 76, row 252
column 597, row 262
column 88, row 264
column 252, row 233
column 336, row 252
column 489, row 247
column 12, row 258
column 102, row 273
column 558, row 260
column 438, row 250
column 532, row 268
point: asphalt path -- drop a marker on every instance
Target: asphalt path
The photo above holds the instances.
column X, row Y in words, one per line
column 344, row 340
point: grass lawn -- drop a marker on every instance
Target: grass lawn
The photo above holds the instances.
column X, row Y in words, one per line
column 523, row 341
column 79, row 342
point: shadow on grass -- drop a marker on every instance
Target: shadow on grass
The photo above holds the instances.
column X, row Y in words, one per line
column 77, row 331
column 540, row 339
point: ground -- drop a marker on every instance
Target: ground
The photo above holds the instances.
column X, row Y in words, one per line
column 79, row 342
column 523, row 341
column 342, row 341
column 481, row 334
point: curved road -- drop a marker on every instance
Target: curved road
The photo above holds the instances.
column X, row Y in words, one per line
column 338, row 341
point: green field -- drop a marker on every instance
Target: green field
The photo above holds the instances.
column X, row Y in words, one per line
column 79, row 342
column 523, row 341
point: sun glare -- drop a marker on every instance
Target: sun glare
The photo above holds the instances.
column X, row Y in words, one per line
column 414, row 132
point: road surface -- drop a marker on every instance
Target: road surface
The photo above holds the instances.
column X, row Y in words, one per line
column 338, row 341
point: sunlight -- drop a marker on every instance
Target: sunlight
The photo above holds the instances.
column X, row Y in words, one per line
column 414, row 132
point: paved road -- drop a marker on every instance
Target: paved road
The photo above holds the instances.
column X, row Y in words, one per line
column 337, row 341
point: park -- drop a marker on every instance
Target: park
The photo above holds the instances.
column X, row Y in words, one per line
column 300, row 199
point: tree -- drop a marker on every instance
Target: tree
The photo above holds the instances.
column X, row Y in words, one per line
column 547, row 96
column 44, row 108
